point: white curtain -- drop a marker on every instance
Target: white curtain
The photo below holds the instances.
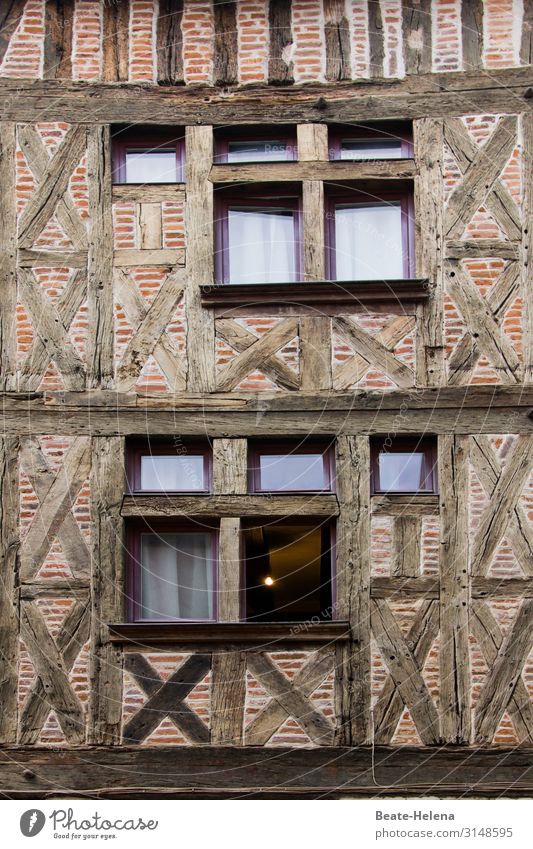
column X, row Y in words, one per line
column 368, row 242
column 177, row 576
column 261, row 246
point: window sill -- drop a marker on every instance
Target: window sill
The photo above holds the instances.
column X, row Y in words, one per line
column 311, row 293
column 228, row 634
column 218, row 506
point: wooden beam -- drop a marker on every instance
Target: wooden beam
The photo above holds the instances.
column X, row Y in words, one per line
column 280, row 72
column 472, row 33
column 227, row 636
column 416, row 25
column 230, row 467
column 170, row 43
column 116, row 40
column 526, row 266
column 9, row 547
column 337, row 38
column 376, row 40
column 58, row 30
column 10, row 18
column 229, row 505
column 319, row 168
column 8, row 257
column 225, row 70
column 526, row 46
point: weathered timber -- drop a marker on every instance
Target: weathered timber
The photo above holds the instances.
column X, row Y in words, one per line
column 406, row 505
column 352, row 691
column 10, row 18
column 107, row 588
column 472, row 33
column 170, row 42
column 167, row 257
column 337, row 39
column 149, row 225
column 474, row 248
column 501, row 588
column 9, row 545
column 225, row 69
column 241, row 340
column 8, row 256
column 280, row 72
column 228, row 636
column 375, row 353
column 228, row 687
column 330, row 295
column 230, row 469
column 313, row 230
column 229, row 505
column 376, row 40
column 116, row 40
column 416, row 25
column 349, row 372
column 401, row 588
column 429, row 205
column 454, row 576
column 313, row 169
column 229, row 570
column 526, row 46
column 312, row 140
column 51, row 259
column 406, row 539
column 315, row 352
column 526, row 275
column 263, row 348
column 500, row 92
column 155, row 193
column 200, row 261
column 58, row 31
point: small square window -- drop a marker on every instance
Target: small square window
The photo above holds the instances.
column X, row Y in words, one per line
column 404, row 465
column 291, row 468
column 253, row 145
column 370, row 237
column 258, row 239
column 362, row 142
column 288, row 571
column 164, row 467
column 147, row 156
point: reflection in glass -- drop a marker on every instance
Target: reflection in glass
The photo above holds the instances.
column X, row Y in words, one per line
column 286, row 472
column 172, row 473
column 401, row 472
column 151, row 166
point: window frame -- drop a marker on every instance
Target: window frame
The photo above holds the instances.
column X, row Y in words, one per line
column 161, row 448
column 329, row 524
column 425, row 445
column 257, row 449
column 267, row 199
column 355, row 196
column 144, row 138
column 371, row 133
column 134, row 531
column 225, row 136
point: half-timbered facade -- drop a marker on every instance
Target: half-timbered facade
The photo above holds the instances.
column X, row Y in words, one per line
column 130, row 329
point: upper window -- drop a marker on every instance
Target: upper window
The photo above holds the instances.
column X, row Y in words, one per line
column 370, row 236
column 361, row 142
column 148, row 156
column 255, row 145
column 258, row 239
column 168, row 467
column 291, row 468
column 404, row 465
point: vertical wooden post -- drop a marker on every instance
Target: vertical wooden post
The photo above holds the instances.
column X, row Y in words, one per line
column 100, row 355
column 280, row 28
column 225, row 69
column 9, row 544
column 337, row 38
column 200, row 258
column 526, row 46
column 527, row 246
column 116, row 40
column 229, row 668
column 170, row 42
column 454, row 590
column 472, row 32
column 352, row 681
column 429, row 205
column 58, row 29
column 107, row 588
column 8, row 257
column 376, row 39
column 416, row 16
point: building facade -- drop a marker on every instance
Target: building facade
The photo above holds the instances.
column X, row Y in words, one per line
column 266, row 341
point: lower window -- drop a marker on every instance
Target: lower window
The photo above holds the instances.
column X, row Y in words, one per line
column 173, row 575
column 288, row 571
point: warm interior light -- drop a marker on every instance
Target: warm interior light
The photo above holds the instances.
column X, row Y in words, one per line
column 268, row 581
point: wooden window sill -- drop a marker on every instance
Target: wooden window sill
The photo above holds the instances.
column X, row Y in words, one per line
column 293, row 170
column 267, row 635
column 345, row 292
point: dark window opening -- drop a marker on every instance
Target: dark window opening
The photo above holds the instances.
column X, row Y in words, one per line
column 288, row 568
column 404, row 465
column 146, row 155
column 166, row 466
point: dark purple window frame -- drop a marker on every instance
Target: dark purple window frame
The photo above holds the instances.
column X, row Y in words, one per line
column 363, row 133
column 329, row 524
column 144, row 139
column 142, row 448
column 240, row 134
column 268, row 200
column 255, row 451
column 134, row 530
column 422, row 445
column 358, row 196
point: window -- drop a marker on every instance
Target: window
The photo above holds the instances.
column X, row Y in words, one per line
column 388, row 141
column 255, row 145
column 291, row 468
column 167, row 467
column 288, row 571
column 404, row 465
column 258, row 239
column 370, row 237
column 148, row 156
column 172, row 573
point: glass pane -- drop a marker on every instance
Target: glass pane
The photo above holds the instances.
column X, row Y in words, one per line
column 292, row 472
column 261, row 245
column 151, row 166
column 401, row 472
column 176, row 576
column 368, row 242
column 173, row 474
column 371, row 149
column 273, row 150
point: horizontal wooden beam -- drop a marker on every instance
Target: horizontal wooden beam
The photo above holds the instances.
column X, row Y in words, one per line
column 405, row 505
column 51, row 259
column 228, row 636
column 459, row 93
column 310, row 293
column 472, row 248
column 267, row 172
column 427, row 587
column 153, row 193
column 225, row 771
column 170, row 506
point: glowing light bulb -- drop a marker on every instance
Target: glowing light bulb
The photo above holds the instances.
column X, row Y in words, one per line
column 269, row 581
